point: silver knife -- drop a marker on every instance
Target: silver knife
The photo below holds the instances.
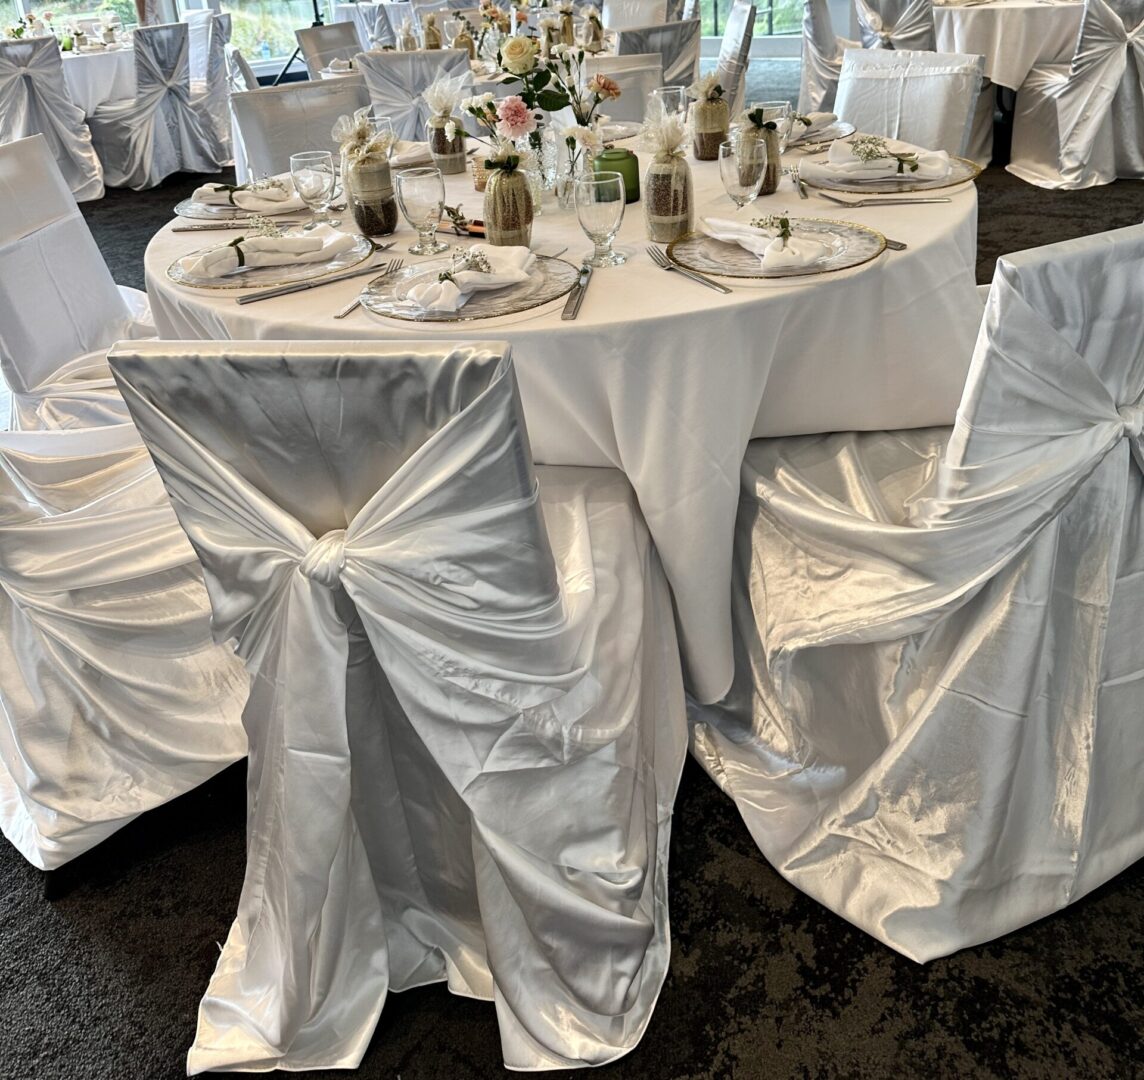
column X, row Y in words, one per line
column 576, row 296
column 302, row 286
column 230, row 223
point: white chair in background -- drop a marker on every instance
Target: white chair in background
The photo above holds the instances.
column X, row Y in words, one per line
column 735, row 53
column 637, row 76
column 822, row 53
column 1082, row 124
column 162, row 130
column 935, row 725
column 60, row 310
column 213, row 90
column 925, row 98
column 321, row 44
column 239, row 77
column 276, row 121
column 466, row 715
column 382, row 33
column 621, row 14
column 896, row 24
column 677, row 43
column 198, row 45
column 34, row 101
column 395, row 82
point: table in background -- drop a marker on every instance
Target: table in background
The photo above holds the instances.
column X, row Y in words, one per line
column 364, row 17
column 95, row 78
column 667, row 380
column 1012, row 35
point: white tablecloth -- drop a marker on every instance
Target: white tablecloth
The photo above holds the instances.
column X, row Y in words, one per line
column 1012, row 35
column 94, row 78
column 668, row 381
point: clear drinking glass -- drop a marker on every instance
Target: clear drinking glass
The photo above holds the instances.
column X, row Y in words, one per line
column 421, row 196
column 451, row 28
column 600, row 208
column 782, row 115
column 742, row 166
column 378, row 119
column 314, row 179
column 672, row 99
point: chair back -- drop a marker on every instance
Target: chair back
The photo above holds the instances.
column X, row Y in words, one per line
column 277, row 121
column 677, row 44
column 198, row 42
column 896, row 24
column 162, row 63
column 735, row 53
column 821, row 58
column 57, row 298
column 321, row 44
column 621, row 14
column 240, row 75
column 34, row 100
column 924, row 98
column 637, row 75
column 395, row 82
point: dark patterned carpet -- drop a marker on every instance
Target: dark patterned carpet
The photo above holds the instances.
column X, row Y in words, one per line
column 764, row 983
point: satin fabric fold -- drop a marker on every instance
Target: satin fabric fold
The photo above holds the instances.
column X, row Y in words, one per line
column 896, row 24
column 457, row 766
column 934, row 728
column 396, row 80
column 822, row 53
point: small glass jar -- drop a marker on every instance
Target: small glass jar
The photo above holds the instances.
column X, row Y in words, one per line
column 369, row 192
column 667, row 197
column 448, row 154
column 617, row 159
column 709, row 123
column 508, row 209
column 480, row 173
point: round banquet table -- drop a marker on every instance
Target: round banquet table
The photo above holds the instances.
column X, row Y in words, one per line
column 95, row 78
column 667, row 380
column 1012, row 35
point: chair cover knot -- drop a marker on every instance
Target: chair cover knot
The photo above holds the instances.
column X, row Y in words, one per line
column 326, row 558
column 1133, row 417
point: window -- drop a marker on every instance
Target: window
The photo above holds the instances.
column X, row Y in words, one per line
column 772, row 17
column 62, row 12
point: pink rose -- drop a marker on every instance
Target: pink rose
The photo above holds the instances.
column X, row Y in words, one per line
column 514, row 118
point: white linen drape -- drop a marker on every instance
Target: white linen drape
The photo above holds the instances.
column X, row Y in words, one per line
column 466, row 718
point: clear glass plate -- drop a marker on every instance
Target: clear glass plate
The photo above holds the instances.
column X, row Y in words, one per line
column 618, row 130
column 188, row 208
column 960, row 171
column 849, row 245
column 550, row 280
column 268, row 276
column 840, row 129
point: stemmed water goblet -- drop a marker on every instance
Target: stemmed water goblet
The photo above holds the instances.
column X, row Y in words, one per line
column 671, row 99
column 314, row 180
column 600, row 209
column 742, row 167
column 421, row 196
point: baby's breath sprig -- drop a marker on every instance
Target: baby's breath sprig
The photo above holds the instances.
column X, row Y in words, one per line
column 777, row 222
column 874, row 148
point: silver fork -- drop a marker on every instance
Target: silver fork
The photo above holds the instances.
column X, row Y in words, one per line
column 390, row 267
column 664, row 263
column 800, row 187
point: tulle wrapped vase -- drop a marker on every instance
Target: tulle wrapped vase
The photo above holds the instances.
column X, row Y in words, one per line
column 669, row 203
column 709, row 122
column 508, row 208
column 567, row 29
column 369, row 191
column 431, row 34
column 448, row 154
column 464, row 40
column 770, row 138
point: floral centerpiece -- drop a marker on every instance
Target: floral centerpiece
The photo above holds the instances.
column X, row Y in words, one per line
column 445, row 131
column 508, row 199
column 581, row 140
column 710, row 117
column 366, row 177
column 508, row 119
column 669, row 210
column 752, row 125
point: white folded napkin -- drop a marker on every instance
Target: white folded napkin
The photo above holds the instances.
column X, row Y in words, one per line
column 338, row 64
column 264, row 200
column 317, row 245
column 406, row 154
column 818, row 121
column 841, row 161
column 510, row 265
column 767, row 244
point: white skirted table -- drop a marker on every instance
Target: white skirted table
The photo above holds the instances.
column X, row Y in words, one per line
column 1012, row 35
column 667, row 380
column 97, row 77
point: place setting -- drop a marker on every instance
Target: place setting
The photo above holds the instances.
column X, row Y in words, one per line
column 872, row 164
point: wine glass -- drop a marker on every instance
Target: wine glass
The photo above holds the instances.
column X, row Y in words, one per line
column 421, row 196
column 314, row 180
column 378, row 119
column 451, row 28
column 672, row 99
column 781, row 114
column 742, row 166
column 600, row 208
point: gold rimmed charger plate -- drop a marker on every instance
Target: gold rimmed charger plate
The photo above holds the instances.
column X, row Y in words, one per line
column 198, row 211
column 851, row 245
column 961, row 171
column 267, row 277
column 550, row 280
column 840, row 129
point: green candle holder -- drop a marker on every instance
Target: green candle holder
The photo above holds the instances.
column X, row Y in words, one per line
column 626, row 164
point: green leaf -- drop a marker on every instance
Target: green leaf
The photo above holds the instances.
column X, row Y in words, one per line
column 551, row 100
column 541, row 79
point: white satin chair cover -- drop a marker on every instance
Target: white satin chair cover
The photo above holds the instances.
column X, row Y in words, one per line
column 676, row 43
column 273, row 121
column 163, row 130
column 395, row 82
column 935, row 727
column 115, row 699
column 465, row 722
column 896, row 24
column 622, row 14
column 239, row 77
column 735, row 53
column 1080, row 125
column 60, row 310
column 926, row 98
column 198, row 44
column 381, row 33
column 321, row 44
column 214, row 90
column 636, row 74
column 34, row 100
column 822, row 53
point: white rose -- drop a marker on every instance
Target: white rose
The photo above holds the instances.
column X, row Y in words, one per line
column 518, row 57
